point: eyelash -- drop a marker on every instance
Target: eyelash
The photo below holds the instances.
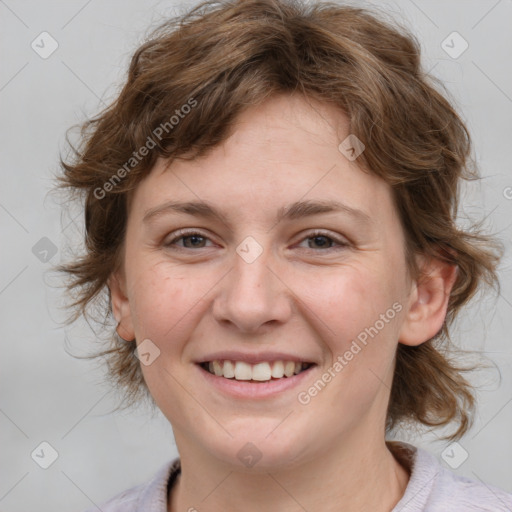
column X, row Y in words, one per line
column 182, row 234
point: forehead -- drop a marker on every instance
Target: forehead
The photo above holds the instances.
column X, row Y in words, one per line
column 279, row 152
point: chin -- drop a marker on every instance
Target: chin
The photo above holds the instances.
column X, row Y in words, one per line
column 252, row 452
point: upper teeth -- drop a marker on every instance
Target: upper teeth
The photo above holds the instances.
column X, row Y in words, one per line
column 240, row 370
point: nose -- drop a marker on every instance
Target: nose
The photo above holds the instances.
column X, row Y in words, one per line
column 252, row 295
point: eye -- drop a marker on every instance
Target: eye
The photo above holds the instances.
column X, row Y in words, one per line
column 195, row 238
column 324, row 241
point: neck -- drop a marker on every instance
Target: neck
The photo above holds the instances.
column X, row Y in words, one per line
column 359, row 474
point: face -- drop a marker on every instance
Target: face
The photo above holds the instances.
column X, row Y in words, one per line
column 265, row 280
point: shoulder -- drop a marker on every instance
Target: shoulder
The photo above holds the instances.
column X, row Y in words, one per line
column 148, row 497
column 433, row 488
column 453, row 490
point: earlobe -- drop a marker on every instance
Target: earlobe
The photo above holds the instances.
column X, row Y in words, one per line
column 121, row 307
column 428, row 302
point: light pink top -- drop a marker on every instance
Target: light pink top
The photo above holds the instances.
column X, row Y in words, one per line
column 431, row 488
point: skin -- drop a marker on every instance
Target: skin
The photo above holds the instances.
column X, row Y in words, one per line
column 303, row 295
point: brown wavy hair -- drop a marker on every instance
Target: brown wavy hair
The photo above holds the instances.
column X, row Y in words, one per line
column 225, row 57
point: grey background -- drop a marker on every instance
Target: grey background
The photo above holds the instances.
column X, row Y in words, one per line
column 47, row 395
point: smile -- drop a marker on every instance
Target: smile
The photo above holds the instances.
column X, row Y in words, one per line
column 259, row 372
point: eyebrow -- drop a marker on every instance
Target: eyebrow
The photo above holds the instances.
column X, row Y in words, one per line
column 293, row 211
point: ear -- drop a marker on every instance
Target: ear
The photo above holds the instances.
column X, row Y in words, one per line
column 121, row 306
column 428, row 301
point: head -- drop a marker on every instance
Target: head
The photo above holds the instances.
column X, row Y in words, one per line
column 249, row 107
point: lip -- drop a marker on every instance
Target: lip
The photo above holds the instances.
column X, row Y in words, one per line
column 260, row 357
column 250, row 390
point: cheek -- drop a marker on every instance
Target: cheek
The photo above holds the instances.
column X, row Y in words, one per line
column 349, row 299
column 163, row 303
column 360, row 317
column 359, row 308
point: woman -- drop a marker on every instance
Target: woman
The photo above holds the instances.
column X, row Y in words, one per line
column 270, row 203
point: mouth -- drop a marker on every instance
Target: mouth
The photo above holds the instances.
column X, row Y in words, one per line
column 259, row 373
